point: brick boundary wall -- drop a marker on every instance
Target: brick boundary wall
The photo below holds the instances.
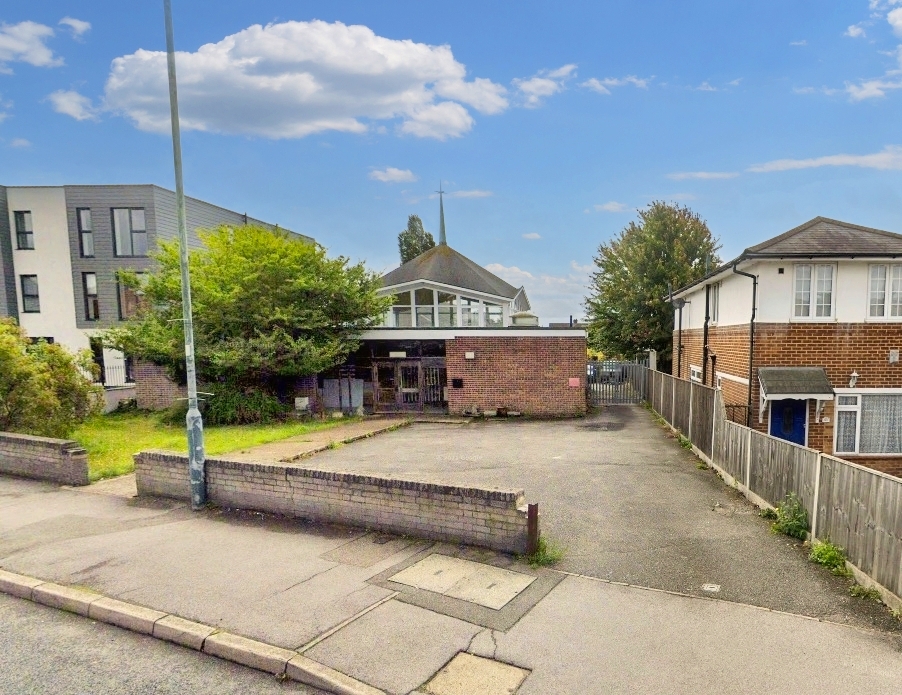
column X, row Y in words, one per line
column 529, row 375
column 154, row 390
column 490, row 518
column 57, row 460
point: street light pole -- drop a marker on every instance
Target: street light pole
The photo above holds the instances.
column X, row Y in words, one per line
column 193, row 421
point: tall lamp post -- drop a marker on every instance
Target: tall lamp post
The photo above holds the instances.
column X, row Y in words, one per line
column 193, row 420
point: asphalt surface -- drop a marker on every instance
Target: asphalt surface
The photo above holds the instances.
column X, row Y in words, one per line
column 626, row 503
column 44, row 651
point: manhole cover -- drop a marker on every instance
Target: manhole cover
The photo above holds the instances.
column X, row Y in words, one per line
column 466, row 674
column 485, row 585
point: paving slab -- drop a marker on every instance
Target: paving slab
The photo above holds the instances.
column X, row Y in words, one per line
column 466, row 674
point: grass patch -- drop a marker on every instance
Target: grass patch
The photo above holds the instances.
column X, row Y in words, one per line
column 546, row 554
column 792, row 518
column 858, row 591
column 830, row 556
column 111, row 440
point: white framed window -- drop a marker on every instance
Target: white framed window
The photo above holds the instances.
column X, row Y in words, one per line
column 714, row 302
column 885, row 291
column 813, row 294
column 695, row 373
column 868, row 423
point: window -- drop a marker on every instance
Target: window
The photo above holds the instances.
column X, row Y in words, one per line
column 813, row 297
column 401, row 310
column 447, row 309
column 469, row 312
column 885, row 291
column 92, row 302
column 425, row 300
column 129, row 298
column 695, row 373
column 868, row 423
column 129, row 232
column 31, row 302
column 494, row 316
column 24, row 230
column 714, row 302
column 85, row 232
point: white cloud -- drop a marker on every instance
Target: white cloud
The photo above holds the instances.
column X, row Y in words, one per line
column 392, row 175
column 553, row 297
column 291, row 79
column 532, row 235
column 71, row 103
column 77, row 26
column 25, row 42
column 888, row 158
column 855, row 31
column 735, row 83
column 604, row 86
column 705, row 87
column 544, row 84
column 895, row 20
column 20, row 143
column 683, row 175
column 803, row 42
column 612, row 206
column 871, row 89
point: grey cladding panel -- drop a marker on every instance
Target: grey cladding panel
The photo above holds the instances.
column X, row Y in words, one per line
column 9, row 304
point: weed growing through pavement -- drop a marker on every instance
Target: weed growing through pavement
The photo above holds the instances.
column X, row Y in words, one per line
column 830, row 556
column 792, row 518
column 701, row 465
column 684, row 441
column 858, row 591
column 546, row 554
column 767, row 513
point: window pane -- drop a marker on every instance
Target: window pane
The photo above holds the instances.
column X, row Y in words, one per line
column 494, row 315
column 402, row 299
column 425, row 317
column 845, row 431
column 424, row 297
column 138, row 220
column 87, row 244
column 847, row 400
column 803, row 291
column 469, row 312
column 447, row 309
column 30, row 284
column 402, row 317
column 881, row 424
column 877, row 294
column 84, row 220
column 90, row 283
column 23, row 221
column 895, row 291
column 824, row 279
column 139, row 243
column 30, row 300
column 122, row 232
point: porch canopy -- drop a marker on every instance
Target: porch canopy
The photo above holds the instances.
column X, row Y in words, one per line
column 800, row 383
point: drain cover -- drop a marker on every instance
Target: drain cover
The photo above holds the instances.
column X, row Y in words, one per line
column 466, row 674
column 711, row 588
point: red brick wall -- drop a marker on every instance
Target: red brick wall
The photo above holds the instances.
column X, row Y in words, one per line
column 154, row 390
column 838, row 347
column 530, row 375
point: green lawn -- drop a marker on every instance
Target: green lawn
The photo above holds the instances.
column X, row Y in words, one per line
column 112, row 439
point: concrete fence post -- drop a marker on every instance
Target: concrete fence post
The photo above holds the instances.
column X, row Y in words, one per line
column 817, row 495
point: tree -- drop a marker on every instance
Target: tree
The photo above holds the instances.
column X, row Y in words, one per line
column 414, row 240
column 669, row 246
column 44, row 389
column 268, row 308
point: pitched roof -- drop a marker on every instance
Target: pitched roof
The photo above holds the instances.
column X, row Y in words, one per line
column 823, row 236
column 789, row 382
column 444, row 265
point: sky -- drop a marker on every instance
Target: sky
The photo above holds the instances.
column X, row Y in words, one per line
column 547, row 124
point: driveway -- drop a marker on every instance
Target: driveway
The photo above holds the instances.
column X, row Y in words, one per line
column 626, row 503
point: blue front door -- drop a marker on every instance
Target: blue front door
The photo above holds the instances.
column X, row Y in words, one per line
column 787, row 420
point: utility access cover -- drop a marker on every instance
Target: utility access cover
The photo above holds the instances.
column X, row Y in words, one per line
column 485, row 585
column 466, row 674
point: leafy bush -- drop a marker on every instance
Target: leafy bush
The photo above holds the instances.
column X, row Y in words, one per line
column 830, row 556
column 233, row 405
column 792, row 517
column 44, row 389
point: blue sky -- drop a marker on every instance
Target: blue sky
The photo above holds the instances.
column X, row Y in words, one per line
column 548, row 123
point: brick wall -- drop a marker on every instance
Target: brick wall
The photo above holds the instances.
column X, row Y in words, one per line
column 838, row 347
column 154, row 390
column 490, row 518
column 57, row 460
column 526, row 374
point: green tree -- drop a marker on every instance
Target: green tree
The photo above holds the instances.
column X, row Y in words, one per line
column 414, row 240
column 44, row 389
column 669, row 246
column 268, row 308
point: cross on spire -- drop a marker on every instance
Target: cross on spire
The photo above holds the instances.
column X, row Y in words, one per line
column 441, row 215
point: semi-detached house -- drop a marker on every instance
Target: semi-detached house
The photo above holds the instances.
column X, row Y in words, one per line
column 802, row 332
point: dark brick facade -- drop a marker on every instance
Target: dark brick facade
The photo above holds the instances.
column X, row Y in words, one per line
column 154, row 390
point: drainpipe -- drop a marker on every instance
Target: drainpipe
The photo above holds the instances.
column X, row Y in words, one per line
column 748, row 411
column 705, row 334
column 680, row 304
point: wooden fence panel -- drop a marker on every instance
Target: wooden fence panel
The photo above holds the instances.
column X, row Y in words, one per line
column 681, row 415
column 779, row 467
column 734, row 449
column 702, row 417
column 861, row 510
column 666, row 410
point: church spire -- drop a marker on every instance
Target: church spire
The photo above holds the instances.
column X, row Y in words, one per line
column 441, row 214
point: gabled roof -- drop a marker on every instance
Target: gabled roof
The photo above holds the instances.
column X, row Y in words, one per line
column 444, row 265
column 778, row 383
column 817, row 238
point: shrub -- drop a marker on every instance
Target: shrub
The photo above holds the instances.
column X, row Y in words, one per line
column 233, row 405
column 792, row 518
column 830, row 556
column 45, row 390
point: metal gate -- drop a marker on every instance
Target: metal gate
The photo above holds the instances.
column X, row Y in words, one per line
column 611, row 382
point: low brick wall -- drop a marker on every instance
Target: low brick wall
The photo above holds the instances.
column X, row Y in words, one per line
column 57, row 460
column 490, row 518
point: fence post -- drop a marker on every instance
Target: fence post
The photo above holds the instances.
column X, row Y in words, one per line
column 714, row 424
column 817, row 495
column 689, row 433
column 672, row 400
column 748, row 462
